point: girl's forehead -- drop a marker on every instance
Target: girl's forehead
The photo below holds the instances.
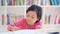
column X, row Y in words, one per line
column 34, row 12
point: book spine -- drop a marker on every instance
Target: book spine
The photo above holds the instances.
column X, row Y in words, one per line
column 16, row 2
column 46, row 20
column 9, row 2
column 55, row 2
column 22, row 2
column 35, row 2
column 15, row 18
column 59, row 20
column 59, row 2
column 19, row 2
column 51, row 2
column 39, row 2
column 2, row 19
column 13, row 2
column 30, row 2
column 3, row 2
column 55, row 18
column 0, row 2
column 8, row 19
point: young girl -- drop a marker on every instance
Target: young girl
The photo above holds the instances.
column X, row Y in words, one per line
column 32, row 20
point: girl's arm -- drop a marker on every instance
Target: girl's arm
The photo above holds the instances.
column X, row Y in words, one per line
column 13, row 27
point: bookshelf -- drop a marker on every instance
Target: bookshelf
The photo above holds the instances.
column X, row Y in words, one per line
column 17, row 8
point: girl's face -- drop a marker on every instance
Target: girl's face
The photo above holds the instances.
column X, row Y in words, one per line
column 31, row 17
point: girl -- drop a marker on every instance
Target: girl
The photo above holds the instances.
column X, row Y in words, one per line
column 32, row 20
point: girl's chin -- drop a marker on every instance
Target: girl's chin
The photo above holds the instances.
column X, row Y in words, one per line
column 30, row 24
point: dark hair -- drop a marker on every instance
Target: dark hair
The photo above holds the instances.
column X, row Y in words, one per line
column 37, row 9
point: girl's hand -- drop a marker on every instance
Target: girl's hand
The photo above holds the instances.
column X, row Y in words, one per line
column 15, row 28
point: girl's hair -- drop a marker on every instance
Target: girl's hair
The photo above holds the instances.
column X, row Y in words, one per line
column 37, row 9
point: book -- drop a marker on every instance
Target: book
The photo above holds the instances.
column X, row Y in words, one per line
column 22, row 2
column 59, row 20
column 2, row 19
column 55, row 19
column 30, row 2
column 9, row 2
column 8, row 19
column 15, row 18
column 35, row 2
column 51, row 2
column 51, row 19
column 0, row 2
column 13, row 2
column 56, row 2
column 3, row 2
column 40, row 2
column 18, row 2
column 46, row 2
column 26, row 2
column 46, row 19
column 59, row 2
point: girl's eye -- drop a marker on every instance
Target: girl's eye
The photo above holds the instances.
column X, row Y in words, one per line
column 33, row 17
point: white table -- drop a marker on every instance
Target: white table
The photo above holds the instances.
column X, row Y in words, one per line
column 25, row 32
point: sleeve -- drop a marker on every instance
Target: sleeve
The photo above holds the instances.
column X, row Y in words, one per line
column 39, row 25
column 18, row 24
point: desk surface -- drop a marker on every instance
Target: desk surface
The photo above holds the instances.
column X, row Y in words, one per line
column 25, row 32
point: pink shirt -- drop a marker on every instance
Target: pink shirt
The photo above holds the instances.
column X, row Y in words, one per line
column 22, row 24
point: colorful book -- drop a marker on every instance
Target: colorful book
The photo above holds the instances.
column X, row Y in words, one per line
column 0, row 2
column 18, row 2
column 13, row 2
column 3, row 2
column 8, row 19
column 46, row 20
column 51, row 2
column 2, row 19
column 22, row 2
column 59, row 2
column 40, row 2
column 35, row 2
column 55, row 19
column 9, row 2
column 46, row 2
column 15, row 18
column 56, row 2
column 30, row 2
column 59, row 20
column 26, row 2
